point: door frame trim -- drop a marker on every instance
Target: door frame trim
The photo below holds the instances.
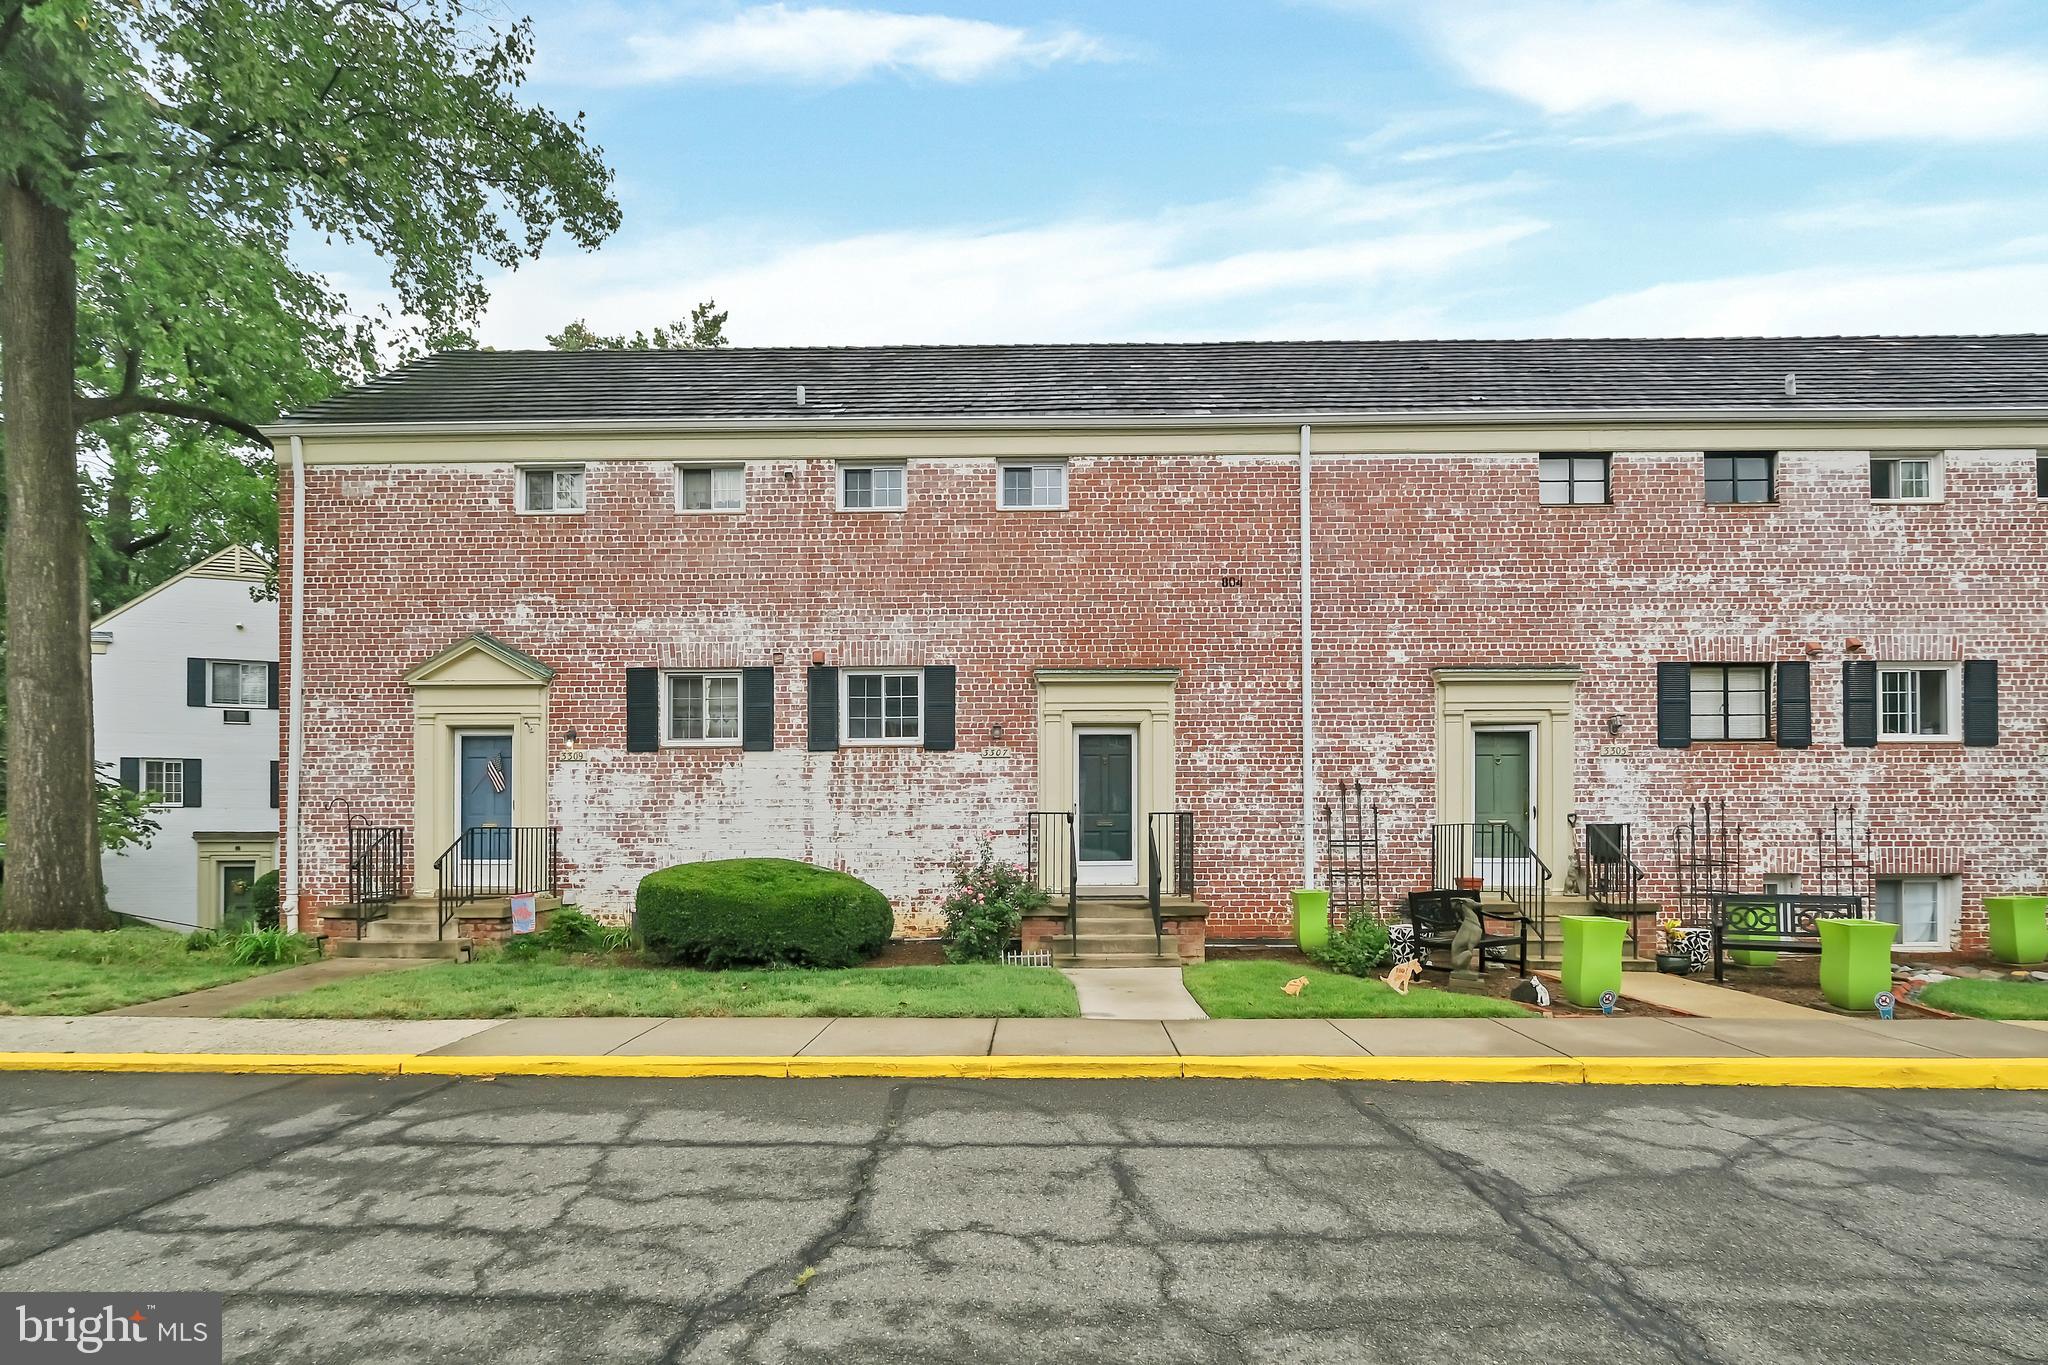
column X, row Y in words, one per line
column 1538, row 699
column 1142, row 699
column 456, row 734
column 1084, row 882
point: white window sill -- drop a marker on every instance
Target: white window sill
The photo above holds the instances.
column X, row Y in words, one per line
column 550, row 512
column 700, row 744
column 1906, row 502
column 911, row 742
column 1919, row 739
column 866, row 510
column 709, row 511
column 1031, row 507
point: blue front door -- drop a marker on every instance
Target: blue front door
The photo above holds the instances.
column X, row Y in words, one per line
column 484, row 770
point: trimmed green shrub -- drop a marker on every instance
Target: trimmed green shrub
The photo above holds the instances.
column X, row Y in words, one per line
column 264, row 893
column 1359, row 947
column 747, row 911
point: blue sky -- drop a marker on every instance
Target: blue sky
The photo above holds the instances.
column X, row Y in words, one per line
column 950, row 170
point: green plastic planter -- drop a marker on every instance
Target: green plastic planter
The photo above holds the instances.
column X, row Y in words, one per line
column 1592, row 957
column 2019, row 928
column 1751, row 957
column 1311, row 919
column 1855, row 960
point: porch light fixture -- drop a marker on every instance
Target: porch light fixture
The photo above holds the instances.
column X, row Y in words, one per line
column 569, row 739
column 995, row 731
column 1614, row 723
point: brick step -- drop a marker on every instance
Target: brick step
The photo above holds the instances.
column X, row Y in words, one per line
column 446, row 949
column 1133, row 941
column 402, row 930
column 1061, row 958
column 1113, row 924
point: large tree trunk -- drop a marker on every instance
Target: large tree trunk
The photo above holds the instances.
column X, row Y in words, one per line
column 53, row 846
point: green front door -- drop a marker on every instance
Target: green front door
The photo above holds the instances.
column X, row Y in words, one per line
column 1104, row 804
column 237, row 896
column 1500, row 786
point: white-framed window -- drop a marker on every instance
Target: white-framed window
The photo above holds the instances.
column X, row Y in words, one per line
column 1032, row 487
column 1573, row 480
column 1782, row 884
column 1922, row 907
column 166, row 778
column 871, row 488
column 231, row 682
column 703, row 708
column 711, row 487
column 882, row 706
column 1919, row 701
column 1731, row 701
column 551, row 489
column 1906, row 478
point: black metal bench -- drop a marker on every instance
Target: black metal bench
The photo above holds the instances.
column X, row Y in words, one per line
column 1438, row 915
column 1770, row 922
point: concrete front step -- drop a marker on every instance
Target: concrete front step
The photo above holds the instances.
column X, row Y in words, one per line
column 1086, row 944
column 1061, row 958
column 446, row 949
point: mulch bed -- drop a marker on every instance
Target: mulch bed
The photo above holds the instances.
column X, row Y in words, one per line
column 1795, row 979
column 909, row 952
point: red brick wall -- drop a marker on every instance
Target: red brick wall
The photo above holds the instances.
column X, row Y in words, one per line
column 1421, row 562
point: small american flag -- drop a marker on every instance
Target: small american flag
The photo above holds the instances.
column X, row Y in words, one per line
column 494, row 775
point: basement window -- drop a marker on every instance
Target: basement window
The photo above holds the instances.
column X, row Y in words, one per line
column 551, row 489
column 1741, row 478
column 1905, row 478
column 1731, row 701
column 1920, row 907
column 1573, row 480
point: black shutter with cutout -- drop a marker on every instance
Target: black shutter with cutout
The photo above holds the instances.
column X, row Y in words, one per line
column 643, row 710
column 1795, row 705
column 1674, row 706
column 272, row 702
column 131, row 774
column 195, row 682
column 1859, row 704
column 273, row 784
column 757, row 708
column 823, row 684
column 939, row 683
column 1980, row 703
column 192, row 783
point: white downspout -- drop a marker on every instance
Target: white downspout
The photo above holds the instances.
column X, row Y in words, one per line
column 1308, row 685
column 295, row 745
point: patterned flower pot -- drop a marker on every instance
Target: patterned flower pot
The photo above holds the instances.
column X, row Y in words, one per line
column 2019, row 928
column 1855, row 960
column 1311, row 919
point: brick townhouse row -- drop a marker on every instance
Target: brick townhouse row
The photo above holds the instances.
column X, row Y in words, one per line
column 1129, row 605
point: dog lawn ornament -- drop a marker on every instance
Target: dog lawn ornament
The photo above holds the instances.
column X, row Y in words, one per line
column 1403, row 973
column 1531, row 992
column 1296, row 986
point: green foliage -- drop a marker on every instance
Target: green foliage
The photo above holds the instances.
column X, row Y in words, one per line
column 1256, row 990
column 1358, row 947
column 81, row 971
column 124, row 816
column 989, row 899
column 1988, row 999
column 760, row 910
column 703, row 331
column 201, row 941
column 268, row 948
column 569, row 930
column 264, row 893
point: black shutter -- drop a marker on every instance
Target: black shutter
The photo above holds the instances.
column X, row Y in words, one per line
column 195, row 682
column 273, row 784
column 938, row 706
column 757, row 708
column 272, row 702
column 643, row 710
column 1980, row 703
column 192, row 788
column 131, row 774
column 1859, row 704
column 1674, row 706
column 823, row 682
column 1795, row 705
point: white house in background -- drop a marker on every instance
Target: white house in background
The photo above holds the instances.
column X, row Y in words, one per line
column 184, row 697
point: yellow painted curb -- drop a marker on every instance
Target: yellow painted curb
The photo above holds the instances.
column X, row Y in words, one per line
column 994, row 1068
column 1860, row 1073
column 1461, row 1070
column 600, row 1066
column 238, row 1063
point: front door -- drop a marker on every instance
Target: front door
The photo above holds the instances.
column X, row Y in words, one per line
column 1105, row 777
column 237, row 897
column 1501, row 805
column 484, row 794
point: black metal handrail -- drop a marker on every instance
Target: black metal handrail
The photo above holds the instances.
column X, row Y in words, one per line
column 376, row 869
column 1613, row 879
column 1053, row 862
column 1351, row 852
column 1170, row 844
column 1496, row 852
column 496, row 860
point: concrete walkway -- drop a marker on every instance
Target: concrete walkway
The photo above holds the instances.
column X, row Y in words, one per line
column 1132, row 993
column 218, row 1001
column 1705, row 1000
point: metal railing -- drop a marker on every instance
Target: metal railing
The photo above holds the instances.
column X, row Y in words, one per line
column 1170, row 844
column 1614, row 881
column 1351, row 852
column 1495, row 853
column 495, row 860
column 376, row 869
column 1053, row 862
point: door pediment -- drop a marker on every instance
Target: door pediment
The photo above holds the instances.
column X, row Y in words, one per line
column 480, row 660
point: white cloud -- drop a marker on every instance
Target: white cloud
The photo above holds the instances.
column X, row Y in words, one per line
column 806, row 45
column 1313, row 254
column 1826, row 302
column 1737, row 68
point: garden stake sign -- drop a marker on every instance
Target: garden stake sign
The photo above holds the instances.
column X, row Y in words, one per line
column 1607, row 1001
column 1887, row 1004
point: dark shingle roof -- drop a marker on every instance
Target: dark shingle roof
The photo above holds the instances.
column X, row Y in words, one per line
column 1205, row 379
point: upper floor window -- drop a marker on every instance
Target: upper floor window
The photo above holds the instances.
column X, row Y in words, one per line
column 1035, row 487
column 165, row 777
column 1905, row 478
column 883, row 707
column 1918, row 701
column 1731, row 701
column 237, row 684
column 1747, row 476
column 711, row 488
column 551, row 488
column 1573, row 480
column 703, row 708
column 871, row 488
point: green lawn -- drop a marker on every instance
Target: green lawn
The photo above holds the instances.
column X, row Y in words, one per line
column 1252, row 990
column 1989, row 999
column 79, row 971
column 499, row 989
